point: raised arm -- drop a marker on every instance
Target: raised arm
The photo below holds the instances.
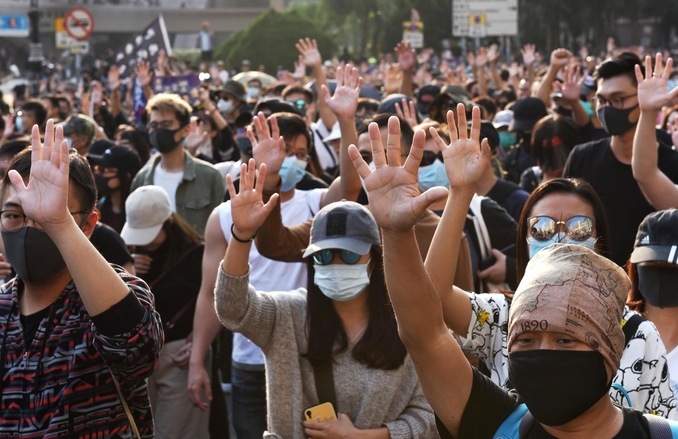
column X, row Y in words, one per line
column 464, row 167
column 481, row 62
column 407, row 60
column 211, row 110
column 309, row 55
column 559, row 59
column 114, row 85
column 344, row 104
column 571, row 90
column 529, row 57
column 653, row 94
column 143, row 72
column 493, row 56
column 396, row 203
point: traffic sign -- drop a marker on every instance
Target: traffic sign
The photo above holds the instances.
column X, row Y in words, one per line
column 65, row 41
column 413, row 32
column 484, row 18
column 79, row 23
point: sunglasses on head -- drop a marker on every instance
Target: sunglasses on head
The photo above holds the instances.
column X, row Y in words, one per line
column 577, row 228
column 325, row 257
column 428, row 157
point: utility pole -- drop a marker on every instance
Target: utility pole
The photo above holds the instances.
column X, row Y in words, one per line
column 35, row 56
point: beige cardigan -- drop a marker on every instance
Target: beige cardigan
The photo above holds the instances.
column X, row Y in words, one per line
column 275, row 322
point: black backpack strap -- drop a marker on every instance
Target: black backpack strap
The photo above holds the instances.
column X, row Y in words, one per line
column 324, row 383
column 502, row 190
column 631, row 326
column 658, row 426
column 526, row 424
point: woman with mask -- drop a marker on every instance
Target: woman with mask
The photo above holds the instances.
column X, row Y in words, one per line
column 560, row 210
column 114, row 168
column 654, row 277
column 168, row 256
column 134, row 139
column 342, row 321
column 565, row 332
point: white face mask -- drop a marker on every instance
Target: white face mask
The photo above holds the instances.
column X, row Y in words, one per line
column 224, row 106
column 341, row 282
column 253, row 92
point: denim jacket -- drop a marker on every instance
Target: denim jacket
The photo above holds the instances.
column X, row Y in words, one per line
column 202, row 188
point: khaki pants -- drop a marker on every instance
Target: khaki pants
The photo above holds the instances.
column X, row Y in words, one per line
column 175, row 415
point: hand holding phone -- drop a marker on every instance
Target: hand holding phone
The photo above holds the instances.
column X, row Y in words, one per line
column 321, row 413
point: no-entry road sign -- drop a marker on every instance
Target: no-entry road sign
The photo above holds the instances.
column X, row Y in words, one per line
column 79, row 23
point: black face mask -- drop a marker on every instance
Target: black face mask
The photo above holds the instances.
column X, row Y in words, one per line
column 102, row 185
column 615, row 121
column 658, row 285
column 162, row 139
column 33, row 254
column 558, row 386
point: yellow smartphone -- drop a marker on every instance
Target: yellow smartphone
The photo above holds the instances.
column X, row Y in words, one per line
column 321, row 413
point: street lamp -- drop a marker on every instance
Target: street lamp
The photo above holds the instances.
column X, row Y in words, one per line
column 35, row 57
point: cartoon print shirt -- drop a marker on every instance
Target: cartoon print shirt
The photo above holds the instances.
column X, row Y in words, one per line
column 643, row 371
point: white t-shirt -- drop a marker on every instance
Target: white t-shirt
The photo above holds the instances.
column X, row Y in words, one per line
column 326, row 155
column 168, row 181
column 672, row 360
column 267, row 274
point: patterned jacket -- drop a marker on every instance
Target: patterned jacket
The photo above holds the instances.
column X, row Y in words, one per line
column 62, row 385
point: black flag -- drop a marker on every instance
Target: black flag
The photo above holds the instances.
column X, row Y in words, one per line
column 143, row 46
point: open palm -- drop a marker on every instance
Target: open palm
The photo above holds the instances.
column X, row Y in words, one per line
column 310, row 55
column 405, row 55
column 395, row 199
column 247, row 207
column 344, row 102
column 465, row 159
column 45, row 198
column 653, row 91
column 267, row 147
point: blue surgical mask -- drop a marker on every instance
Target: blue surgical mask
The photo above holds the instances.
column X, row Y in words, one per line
column 433, row 175
column 19, row 124
column 589, row 108
column 341, row 282
column 536, row 245
column 507, row 140
column 70, row 142
column 291, row 172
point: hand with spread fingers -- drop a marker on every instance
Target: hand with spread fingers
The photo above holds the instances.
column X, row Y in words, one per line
column 247, row 207
column 268, row 146
column 309, row 55
column 653, row 90
column 395, row 199
column 344, row 101
column 45, row 198
column 407, row 112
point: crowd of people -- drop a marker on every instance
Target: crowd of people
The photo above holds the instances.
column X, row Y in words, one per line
column 410, row 246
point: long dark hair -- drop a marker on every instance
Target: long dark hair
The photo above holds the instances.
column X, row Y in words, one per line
column 139, row 143
column 635, row 300
column 180, row 238
column 379, row 348
column 572, row 186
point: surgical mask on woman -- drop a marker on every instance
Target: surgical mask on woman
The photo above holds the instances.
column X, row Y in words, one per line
column 341, row 282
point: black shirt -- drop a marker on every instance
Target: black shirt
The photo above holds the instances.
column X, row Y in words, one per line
column 489, row 406
column 31, row 323
column 110, row 245
column 613, row 181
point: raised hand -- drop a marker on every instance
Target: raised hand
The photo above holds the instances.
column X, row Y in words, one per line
column 268, row 147
column 9, row 126
column 299, row 70
column 247, row 207
column 196, row 136
column 571, row 87
column 45, row 199
column 344, row 102
column 493, row 54
column 395, row 199
column 653, row 90
column 114, row 78
column 528, row 54
column 560, row 58
column 162, row 64
column 481, row 57
column 143, row 72
column 406, row 55
column 514, row 70
column 466, row 159
column 407, row 112
column 309, row 53
column 393, row 78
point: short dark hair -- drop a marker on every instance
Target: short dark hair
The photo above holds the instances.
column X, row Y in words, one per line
column 14, row 147
column 406, row 132
column 38, row 110
column 368, row 104
column 80, row 173
column 622, row 65
column 379, row 348
column 292, row 125
column 553, row 137
column 298, row 89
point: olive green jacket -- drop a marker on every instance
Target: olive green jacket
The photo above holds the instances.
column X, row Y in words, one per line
column 202, row 188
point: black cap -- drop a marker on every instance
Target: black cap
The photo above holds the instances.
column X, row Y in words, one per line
column 488, row 131
column 526, row 113
column 425, row 96
column 388, row 103
column 657, row 238
column 236, row 89
column 277, row 106
column 126, row 160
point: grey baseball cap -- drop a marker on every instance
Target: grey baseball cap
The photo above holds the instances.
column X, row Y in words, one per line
column 343, row 225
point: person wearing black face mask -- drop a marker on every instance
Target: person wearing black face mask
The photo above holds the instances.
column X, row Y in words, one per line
column 606, row 164
column 195, row 187
column 653, row 270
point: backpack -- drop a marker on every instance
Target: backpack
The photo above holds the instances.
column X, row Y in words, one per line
column 520, row 422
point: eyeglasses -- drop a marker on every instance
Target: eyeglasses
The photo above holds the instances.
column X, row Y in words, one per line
column 325, row 257
column 544, row 228
column 617, row 102
column 429, row 157
column 299, row 155
column 13, row 220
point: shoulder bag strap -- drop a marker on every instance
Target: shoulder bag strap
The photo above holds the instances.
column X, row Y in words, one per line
column 324, row 383
column 659, row 427
column 128, row 413
column 176, row 263
column 526, row 424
